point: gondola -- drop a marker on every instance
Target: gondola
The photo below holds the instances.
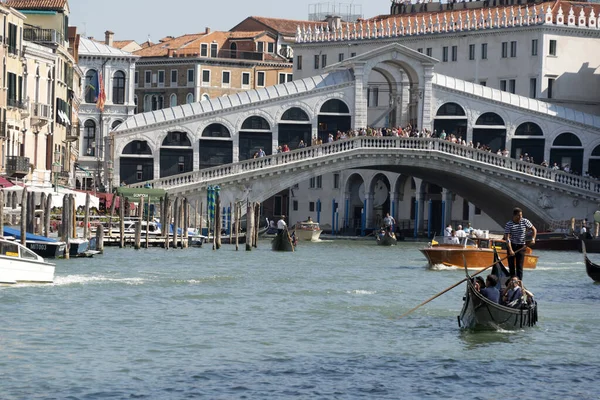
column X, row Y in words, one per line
column 282, row 242
column 385, row 238
column 479, row 313
column 593, row 270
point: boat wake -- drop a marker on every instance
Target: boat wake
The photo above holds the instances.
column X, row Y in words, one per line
column 85, row 279
column 442, row 267
column 362, row 292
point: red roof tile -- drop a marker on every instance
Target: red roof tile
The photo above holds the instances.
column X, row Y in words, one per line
column 55, row 5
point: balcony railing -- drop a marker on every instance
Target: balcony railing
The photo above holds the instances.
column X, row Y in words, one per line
column 73, row 133
column 17, row 166
column 15, row 103
column 41, row 111
column 39, row 35
column 242, row 55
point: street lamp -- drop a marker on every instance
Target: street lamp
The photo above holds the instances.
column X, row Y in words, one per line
column 56, row 169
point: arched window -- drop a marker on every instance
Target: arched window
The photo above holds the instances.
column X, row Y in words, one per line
column 335, row 106
column 119, row 88
column 596, row 152
column 216, row 131
column 91, row 85
column 205, row 96
column 139, row 147
column 37, row 85
column 256, row 123
column 450, row 109
column 189, row 98
column 48, row 87
column 173, row 100
column 295, row 114
column 115, row 124
column 177, row 139
column 490, row 118
column 567, row 139
column 89, row 138
column 529, row 129
column 233, row 49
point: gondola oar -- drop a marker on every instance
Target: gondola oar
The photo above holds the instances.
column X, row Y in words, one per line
column 455, row 285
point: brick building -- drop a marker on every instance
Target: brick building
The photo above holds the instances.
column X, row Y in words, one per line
column 195, row 67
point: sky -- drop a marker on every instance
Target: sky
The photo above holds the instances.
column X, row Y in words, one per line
column 139, row 19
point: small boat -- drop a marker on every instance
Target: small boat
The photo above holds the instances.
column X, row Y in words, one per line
column 480, row 313
column 479, row 252
column 18, row 264
column 593, row 270
column 385, row 238
column 556, row 241
column 282, row 242
column 41, row 245
column 307, row 231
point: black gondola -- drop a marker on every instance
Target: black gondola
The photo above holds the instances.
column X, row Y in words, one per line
column 282, row 242
column 385, row 238
column 479, row 313
column 593, row 270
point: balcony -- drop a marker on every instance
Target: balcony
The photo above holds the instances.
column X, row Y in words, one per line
column 17, row 166
column 241, row 55
column 41, row 114
column 43, row 36
column 14, row 103
column 72, row 133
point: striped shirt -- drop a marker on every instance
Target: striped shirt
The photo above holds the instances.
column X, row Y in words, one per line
column 517, row 230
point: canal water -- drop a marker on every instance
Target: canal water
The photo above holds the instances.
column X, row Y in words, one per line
column 320, row 323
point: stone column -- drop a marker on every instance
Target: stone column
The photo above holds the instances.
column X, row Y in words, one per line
column 196, row 156
column 422, row 209
column 394, row 205
column 426, row 99
column 447, row 196
column 404, row 101
column 274, row 137
column 360, row 99
column 156, row 157
column 370, row 221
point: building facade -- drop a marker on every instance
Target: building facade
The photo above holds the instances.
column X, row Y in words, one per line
column 114, row 70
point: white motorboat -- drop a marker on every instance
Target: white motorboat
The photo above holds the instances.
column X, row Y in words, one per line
column 18, row 264
column 307, row 231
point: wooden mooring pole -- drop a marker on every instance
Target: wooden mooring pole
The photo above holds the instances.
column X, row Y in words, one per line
column 24, row 216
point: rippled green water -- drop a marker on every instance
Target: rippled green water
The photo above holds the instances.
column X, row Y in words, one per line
column 318, row 323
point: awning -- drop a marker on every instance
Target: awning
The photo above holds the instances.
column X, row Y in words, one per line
column 57, row 195
column 5, row 183
column 133, row 195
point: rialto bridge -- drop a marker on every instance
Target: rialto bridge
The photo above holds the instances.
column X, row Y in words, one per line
column 186, row 148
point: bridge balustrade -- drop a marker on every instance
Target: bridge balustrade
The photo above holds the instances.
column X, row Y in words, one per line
column 368, row 142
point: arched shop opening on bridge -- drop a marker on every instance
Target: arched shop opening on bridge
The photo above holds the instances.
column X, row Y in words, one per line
column 176, row 154
column 567, row 152
column 451, row 119
column 528, row 142
column 378, row 200
column 490, row 130
column 216, row 147
column 294, row 126
column 136, row 162
column 594, row 163
column 334, row 116
column 355, row 196
column 255, row 134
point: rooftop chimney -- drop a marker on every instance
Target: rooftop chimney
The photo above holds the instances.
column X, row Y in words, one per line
column 108, row 38
column 206, row 30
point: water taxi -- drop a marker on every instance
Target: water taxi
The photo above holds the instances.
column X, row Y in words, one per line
column 307, row 231
column 478, row 252
column 18, row 264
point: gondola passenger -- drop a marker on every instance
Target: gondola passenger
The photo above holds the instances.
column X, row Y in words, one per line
column 512, row 295
column 490, row 291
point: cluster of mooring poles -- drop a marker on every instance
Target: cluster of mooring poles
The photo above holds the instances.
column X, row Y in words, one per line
column 35, row 219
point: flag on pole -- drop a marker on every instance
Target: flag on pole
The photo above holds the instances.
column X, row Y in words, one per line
column 101, row 93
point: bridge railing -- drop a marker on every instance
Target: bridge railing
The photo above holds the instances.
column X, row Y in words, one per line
column 368, row 142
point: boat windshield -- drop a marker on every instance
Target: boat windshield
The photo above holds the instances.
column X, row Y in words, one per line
column 309, row 226
column 449, row 240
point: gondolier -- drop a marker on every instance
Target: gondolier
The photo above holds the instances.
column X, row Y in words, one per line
column 281, row 225
column 514, row 232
